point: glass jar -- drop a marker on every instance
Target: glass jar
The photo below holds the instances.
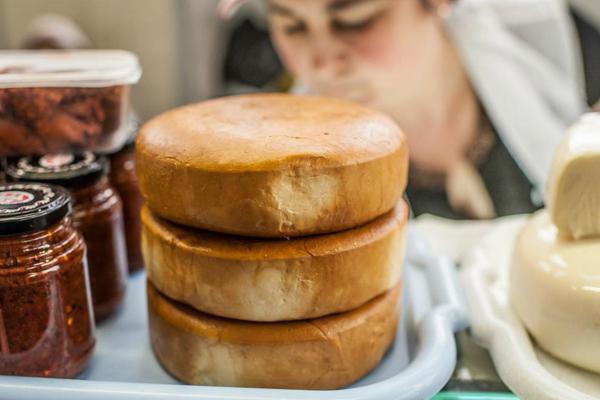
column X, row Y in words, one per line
column 97, row 214
column 2, row 169
column 124, row 179
column 46, row 324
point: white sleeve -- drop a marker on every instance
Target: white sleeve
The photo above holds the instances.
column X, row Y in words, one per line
column 525, row 64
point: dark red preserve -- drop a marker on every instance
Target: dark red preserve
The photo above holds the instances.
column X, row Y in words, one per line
column 2, row 168
column 124, row 179
column 97, row 213
column 46, row 323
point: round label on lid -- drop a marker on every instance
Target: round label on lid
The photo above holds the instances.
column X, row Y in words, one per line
column 56, row 163
column 27, row 207
column 64, row 169
column 19, row 198
column 13, row 197
column 56, row 160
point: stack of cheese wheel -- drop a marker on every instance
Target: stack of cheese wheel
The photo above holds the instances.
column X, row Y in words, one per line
column 274, row 238
column 555, row 276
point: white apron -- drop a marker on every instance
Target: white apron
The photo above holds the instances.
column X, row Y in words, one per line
column 525, row 64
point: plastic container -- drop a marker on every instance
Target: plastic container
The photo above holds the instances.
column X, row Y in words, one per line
column 417, row 367
column 65, row 101
column 526, row 369
column 46, row 324
column 97, row 214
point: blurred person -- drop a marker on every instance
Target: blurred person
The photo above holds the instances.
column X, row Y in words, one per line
column 54, row 32
column 483, row 88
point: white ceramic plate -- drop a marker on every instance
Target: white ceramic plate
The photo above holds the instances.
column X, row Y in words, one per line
column 529, row 371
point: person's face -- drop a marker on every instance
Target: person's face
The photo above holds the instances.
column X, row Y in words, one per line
column 377, row 52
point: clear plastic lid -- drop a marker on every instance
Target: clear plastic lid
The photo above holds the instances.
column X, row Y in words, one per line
column 60, row 68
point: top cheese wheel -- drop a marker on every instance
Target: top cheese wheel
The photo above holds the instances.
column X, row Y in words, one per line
column 272, row 165
column 573, row 190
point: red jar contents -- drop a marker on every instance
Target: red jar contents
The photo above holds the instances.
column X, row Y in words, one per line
column 2, row 168
column 46, row 324
column 124, row 179
column 98, row 215
column 42, row 120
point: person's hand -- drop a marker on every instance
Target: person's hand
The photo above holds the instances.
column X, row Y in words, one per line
column 467, row 192
column 437, row 151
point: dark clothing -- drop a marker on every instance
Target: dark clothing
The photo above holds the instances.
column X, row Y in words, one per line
column 589, row 38
column 507, row 185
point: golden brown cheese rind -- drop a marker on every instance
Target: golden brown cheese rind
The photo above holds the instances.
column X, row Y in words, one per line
column 323, row 353
column 275, row 279
column 272, row 165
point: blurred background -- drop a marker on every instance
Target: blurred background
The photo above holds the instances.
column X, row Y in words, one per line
column 484, row 89
column 189, row 54
column 182, row 45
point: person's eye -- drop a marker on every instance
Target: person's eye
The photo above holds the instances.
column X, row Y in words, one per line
column 354, row 26
column 295, row 29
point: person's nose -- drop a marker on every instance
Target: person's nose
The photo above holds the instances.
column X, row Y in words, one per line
column 330, row 57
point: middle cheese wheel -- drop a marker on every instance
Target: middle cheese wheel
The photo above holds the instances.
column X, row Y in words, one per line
column 272, row 165
column 275, row 280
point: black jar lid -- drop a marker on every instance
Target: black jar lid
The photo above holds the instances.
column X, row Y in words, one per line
column 64, row 169
column 31, row 207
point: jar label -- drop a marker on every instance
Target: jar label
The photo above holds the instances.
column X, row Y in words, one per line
column 11, row 197
column 74, row 165
column 56, row 160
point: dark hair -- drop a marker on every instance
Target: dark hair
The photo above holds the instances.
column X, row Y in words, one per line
column 427, row 3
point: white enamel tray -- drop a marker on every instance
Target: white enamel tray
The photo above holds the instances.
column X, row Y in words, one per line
column 527, row 370
column 417, row 367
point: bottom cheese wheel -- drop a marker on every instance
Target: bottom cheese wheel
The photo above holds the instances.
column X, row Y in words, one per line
column 555, row 291
column 323, row 353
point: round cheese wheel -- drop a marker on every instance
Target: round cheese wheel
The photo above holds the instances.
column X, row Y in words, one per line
column 272, row 165
column 555, row 290
column 322, row 353
column 275, row 279
column 573, row 191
